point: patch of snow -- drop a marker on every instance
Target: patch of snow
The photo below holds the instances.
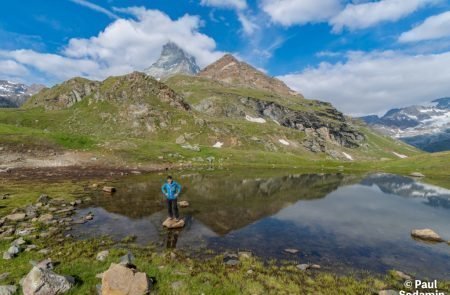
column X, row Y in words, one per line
column 284, row 142
column 400, row 155
column 255, row 120
column 228, row 65
column 218, row 145
column 347, row 156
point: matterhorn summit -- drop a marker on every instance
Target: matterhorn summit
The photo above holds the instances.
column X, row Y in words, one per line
column 173, row 61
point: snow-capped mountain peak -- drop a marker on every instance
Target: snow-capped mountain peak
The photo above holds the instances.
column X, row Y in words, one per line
column 424, row 126
column 173, row 60
column 14, row 94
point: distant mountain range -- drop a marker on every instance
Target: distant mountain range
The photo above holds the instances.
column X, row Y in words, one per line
column 173, row 61
column 13, row 95
column 424, row 126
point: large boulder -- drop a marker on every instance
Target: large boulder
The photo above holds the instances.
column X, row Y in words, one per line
column 121, row 280
column 426, row 235
column 41, row 280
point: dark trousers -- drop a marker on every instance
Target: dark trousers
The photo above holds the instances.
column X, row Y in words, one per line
column 172, row 207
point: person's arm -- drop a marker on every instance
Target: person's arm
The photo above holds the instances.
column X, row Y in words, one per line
column 178, row 190
column 163, row 189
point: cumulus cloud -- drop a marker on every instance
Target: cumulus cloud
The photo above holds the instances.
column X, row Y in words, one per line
column 365, row 15
column 368, row 83
column 235, row 4
column 122, row 47
column 434, row 27
column 290, row 12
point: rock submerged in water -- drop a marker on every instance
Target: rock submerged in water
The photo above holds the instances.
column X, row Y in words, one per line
column 426, row 235
column 291, row 250
column 183, row 204
column 41, row 280
column 121, row 280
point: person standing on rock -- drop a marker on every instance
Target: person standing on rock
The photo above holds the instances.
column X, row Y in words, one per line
column 172, row 189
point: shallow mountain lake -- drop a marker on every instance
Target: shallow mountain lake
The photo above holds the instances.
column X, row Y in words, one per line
column 342, row 222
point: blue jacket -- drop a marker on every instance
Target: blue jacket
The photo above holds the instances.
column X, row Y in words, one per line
column 171, row 191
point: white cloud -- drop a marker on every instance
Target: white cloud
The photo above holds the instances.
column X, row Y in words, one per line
column 95, row 7
column 248, row 26
column 374, row 82
column 124, row 46
column 234, row 4
column 290, row 12
column 365, row 15
column 434, row 27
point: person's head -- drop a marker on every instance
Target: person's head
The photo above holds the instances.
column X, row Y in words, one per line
column 169, row 179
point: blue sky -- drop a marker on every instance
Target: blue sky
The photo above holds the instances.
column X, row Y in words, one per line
column 363, row 56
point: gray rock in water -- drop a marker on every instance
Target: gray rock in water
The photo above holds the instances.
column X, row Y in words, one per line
column 8, row 290
column 417, row 174
column 41, row 280
column 426, row 235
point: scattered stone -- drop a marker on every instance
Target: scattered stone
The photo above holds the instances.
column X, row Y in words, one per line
column 7, row 255
column 245, row 254
column 24, row 231
column 30, row 248
column 303, row 267
column 8, row 290
column 89, row 217
column 177, row 285
column 194, row 148
column 45, row 218
column 314, row 266
column 426, row 235
column 109, row 189
column 250, row 271
column 291, row 251
column 19, row 242
column 402, row 275
column 230, row 259
column 4, row 276
column 99, row 275
column 4, row 197
column 121, row 280
column 180, row 139
column 101, row 256
column 417, row 174
column 183, row 204
column 127, row 260
column 172, row 223
column 12, row 252
column 31, row 211
column 41, row 280
column 43, row 199
column 44, row 251
column 16, row 216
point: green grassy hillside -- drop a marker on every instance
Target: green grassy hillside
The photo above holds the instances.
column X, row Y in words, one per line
column 137, row 119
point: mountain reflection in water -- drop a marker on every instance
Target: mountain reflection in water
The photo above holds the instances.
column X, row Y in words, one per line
column 339, row 221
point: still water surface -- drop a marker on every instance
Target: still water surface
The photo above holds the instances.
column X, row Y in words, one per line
column 342, row 222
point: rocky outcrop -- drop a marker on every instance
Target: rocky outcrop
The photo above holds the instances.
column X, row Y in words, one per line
column 229, row 70
column 130, row 89
column 173, row 61
column 326, row 126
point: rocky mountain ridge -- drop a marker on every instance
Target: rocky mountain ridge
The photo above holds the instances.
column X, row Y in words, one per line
column 424, row 126
column 233, row 72
column 13, row 95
